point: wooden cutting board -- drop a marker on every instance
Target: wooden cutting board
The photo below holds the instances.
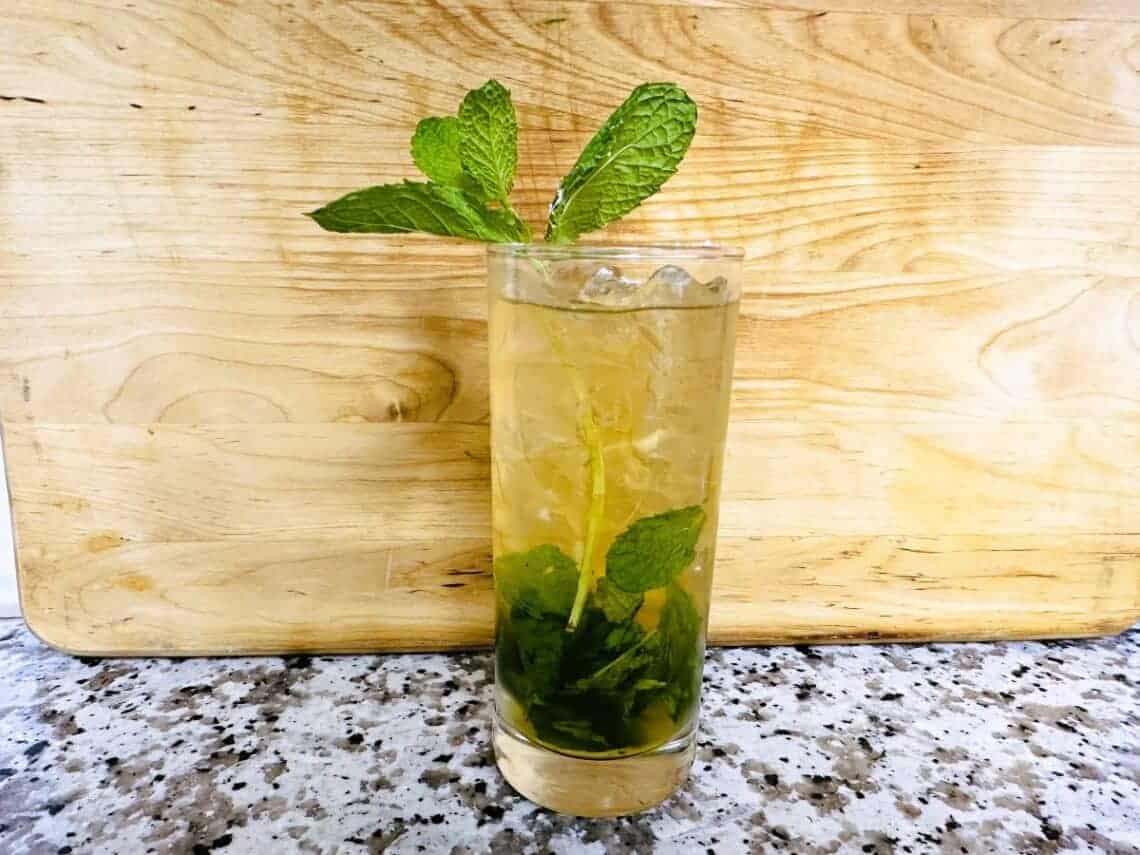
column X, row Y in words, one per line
column 229, row 432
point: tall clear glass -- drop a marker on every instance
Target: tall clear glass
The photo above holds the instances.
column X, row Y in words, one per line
column 610, row 376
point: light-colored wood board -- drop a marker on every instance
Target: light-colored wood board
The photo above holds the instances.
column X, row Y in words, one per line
column 1023, row 347
column 1063, row 10
column 218, row 343
column 226, row 365
column 251, row 482
column 784, row 72
column 106, row 597
column 224, row 597
column 853, row 206
column 411, row 482
column 776, row 589
column 1000, row 477
column 211, row 404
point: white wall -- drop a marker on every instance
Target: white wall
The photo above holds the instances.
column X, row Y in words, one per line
column 8, row 604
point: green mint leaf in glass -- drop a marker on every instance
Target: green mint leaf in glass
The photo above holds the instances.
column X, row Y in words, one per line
column 540, row 581
column 435, row 150
column 582, row 731
column 652, row 551
column 488, row 139
column 595, row 642
column 419, row 207
column 631, row 156
column 679, row 665
column 622, row 636
column 539, row 646
column 616, row 604
column 577, row 721
column 623, row 667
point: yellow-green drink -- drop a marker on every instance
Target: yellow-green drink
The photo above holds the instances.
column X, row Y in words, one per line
column 610, row 377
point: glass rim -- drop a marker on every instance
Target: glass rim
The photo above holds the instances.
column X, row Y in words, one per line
column 695, row 251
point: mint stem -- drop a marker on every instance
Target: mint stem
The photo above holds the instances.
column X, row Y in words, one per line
column 523, row 227
column 592, row 439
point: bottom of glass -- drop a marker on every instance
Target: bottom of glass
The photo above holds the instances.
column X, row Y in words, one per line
column 585, row 787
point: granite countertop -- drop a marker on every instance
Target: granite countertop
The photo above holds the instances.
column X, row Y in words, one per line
column 1004, row 748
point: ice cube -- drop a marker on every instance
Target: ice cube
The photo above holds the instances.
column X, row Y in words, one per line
column 674, row 286
column 563, row 279
column 607, row 287
column 671, row 284
column 716, row 285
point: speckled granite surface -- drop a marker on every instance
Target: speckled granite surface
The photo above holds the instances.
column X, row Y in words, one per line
column 1003, row 748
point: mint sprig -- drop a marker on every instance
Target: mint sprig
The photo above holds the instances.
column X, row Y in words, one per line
column 471, row 160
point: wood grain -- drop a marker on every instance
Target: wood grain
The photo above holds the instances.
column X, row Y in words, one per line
column 1069, row 10
column 881, row 76
column 104, row 596
column 108, row 596
column 385, row 342
column 218, row 417
column 413, row 481
column 250, row 482
column 950, row 587
column 219, row 357
column 258, row 535
column 849, row 207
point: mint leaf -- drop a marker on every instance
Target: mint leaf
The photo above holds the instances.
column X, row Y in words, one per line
column 652, row 551
column 579, row 721
column 488, row 139
column 539, row 663
column 508, row 223
column 679, row 667
column 595, row 642
column 539, row 643
column 419, row 207
column 472, row 159
column 435, row 150
column 616, row 604
column 586, row 690
column 582, row 731
column 622, row 636
column 631, row 156
column 540, row 581
column 622, row 668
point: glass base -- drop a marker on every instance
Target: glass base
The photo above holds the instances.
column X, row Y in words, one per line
column 582, row 787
